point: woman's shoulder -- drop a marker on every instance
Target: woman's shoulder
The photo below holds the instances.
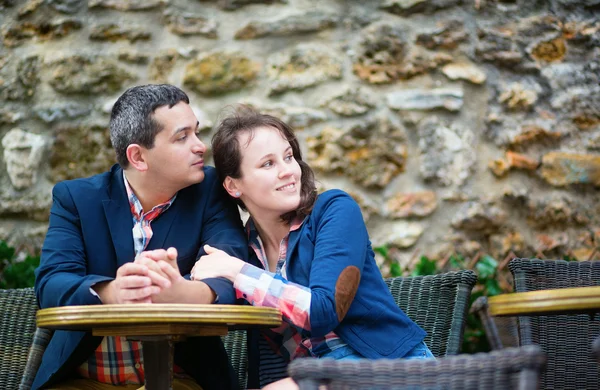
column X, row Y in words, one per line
column 336, row 197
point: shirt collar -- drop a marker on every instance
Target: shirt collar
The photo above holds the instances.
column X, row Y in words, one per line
column 253, row 233
column 136, row 206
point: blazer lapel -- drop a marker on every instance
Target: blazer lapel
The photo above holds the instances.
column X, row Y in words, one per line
column 293, row 240
column 162, row 225
column 119, row 219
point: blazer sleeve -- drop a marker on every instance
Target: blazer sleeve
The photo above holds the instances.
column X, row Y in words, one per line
column 340, row 251
column 338, row 261
column 62, row 279
column 222, row 228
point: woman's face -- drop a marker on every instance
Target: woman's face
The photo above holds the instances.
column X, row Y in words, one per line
column 270, row 182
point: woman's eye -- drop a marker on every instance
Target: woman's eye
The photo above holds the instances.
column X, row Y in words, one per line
column 289, row 157
column 267, row 164
column 182, row 138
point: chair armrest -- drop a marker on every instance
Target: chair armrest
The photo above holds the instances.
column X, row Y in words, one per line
column 481, row 308
column 41, row 338
column 596, row 348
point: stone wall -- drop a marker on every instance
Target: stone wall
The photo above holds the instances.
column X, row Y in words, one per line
column 460, row 126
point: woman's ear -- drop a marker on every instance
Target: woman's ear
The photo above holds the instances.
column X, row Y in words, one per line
column 231, row 187
column 135, row 155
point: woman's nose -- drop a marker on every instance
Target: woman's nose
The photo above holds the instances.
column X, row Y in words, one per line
column 284, row 170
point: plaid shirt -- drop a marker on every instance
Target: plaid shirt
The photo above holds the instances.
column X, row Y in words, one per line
column 272, row 289
column 117, row 360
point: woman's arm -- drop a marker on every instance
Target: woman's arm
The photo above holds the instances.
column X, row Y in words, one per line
column 336, row 263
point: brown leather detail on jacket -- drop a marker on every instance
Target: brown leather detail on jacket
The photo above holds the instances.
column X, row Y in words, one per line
column 345, row 290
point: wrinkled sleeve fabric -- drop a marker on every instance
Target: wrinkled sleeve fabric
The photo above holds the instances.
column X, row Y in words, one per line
column 341, row 240
column 222, row 228
column 61, row 278
column 263, row 288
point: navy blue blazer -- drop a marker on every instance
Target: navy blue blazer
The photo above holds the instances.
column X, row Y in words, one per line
column 90, row 236
column 333, row 238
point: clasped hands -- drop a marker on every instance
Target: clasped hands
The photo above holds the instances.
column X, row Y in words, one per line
column 153, row 277
column 150, row 278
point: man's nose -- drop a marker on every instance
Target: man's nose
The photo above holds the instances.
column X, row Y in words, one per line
column 199, row 146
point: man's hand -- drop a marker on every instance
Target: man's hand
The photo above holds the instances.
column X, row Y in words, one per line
column 171, row 287
column 133, row 284
column 153, row 259
column 163, row 266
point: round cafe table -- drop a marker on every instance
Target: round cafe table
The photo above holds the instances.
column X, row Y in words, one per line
column 576, row 300
column 157, row 326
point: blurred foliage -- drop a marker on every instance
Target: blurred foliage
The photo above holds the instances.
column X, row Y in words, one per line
column 486, row 268
column 16, row 271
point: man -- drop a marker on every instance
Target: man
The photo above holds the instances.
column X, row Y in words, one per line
column 107, row 234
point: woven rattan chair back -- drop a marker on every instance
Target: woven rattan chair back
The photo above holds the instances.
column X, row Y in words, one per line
column 235, row 345
column 438, row 304
column 511, row 368
column 17, row 326
column 566, row 339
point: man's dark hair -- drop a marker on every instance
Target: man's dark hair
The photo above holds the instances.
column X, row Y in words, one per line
column 132, row 117
column 228, row 156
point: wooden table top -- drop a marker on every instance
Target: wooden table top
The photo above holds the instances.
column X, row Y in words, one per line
column 546, row 302
column 147, row 319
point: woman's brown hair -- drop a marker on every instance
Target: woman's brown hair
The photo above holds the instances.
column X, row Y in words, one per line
column 228, row 157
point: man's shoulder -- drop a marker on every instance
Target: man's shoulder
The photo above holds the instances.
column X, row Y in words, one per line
column 93, row 183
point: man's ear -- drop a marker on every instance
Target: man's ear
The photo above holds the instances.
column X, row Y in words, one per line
column 136, row 157
column 231, row 187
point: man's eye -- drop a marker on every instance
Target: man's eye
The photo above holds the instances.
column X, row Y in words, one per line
column 182, row 138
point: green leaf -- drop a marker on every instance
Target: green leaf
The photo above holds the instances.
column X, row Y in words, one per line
column 486, row 267
column 456, row 261
column 6, row 252
column 382, row 250
column 395, row 270
column 492, row 287
column 21, row 274
column 424, row 267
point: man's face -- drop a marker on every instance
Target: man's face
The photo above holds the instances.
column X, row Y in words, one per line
column 176, row 161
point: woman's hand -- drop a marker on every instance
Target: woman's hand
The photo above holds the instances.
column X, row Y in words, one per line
column 216, row 264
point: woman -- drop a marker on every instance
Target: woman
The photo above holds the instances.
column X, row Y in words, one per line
column 314, row 258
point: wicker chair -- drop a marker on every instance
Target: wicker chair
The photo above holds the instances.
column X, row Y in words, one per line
column 596, row 348
column 235, row 345
column 501, row 332
column 511, row 368
column 438, row 303
column 566, row 339
column 17, row 326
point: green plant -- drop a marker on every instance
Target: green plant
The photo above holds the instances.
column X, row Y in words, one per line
column 486, row 268
column 16, row 271
column 425, row 266
column 475, row 339
column 384, row 251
